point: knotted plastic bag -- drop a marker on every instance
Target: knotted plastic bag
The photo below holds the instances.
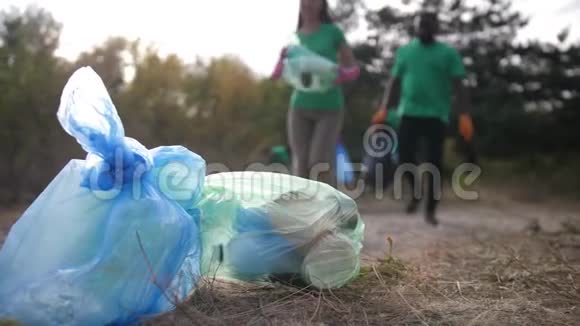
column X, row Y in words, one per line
column 260, row 226
column 109, row 241
column 307, row 71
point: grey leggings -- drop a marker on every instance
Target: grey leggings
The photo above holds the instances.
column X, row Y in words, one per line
column 313, row 135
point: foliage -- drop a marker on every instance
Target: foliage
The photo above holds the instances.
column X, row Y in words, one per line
column 526, row 96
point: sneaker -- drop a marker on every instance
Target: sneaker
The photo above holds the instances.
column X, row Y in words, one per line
column 412, row 206
column 431, row 219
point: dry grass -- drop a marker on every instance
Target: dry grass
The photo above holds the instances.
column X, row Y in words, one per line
column 523, row 280
column 9, row 323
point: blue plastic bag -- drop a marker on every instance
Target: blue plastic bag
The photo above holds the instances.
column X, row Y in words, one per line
column 257, row 250
column 344, row 168
column 113, row 238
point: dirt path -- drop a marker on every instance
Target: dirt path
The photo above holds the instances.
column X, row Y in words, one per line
column 494, row 214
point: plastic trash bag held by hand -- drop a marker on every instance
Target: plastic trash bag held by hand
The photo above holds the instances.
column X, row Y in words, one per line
column 307, row 71
column 109, row 239
column 260, row 226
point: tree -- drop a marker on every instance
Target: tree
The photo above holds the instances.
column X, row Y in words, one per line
column 31, row 78
column 152, row 105
column 510, row 83
column 347, row 13
column 228, row 103
column 109, row 60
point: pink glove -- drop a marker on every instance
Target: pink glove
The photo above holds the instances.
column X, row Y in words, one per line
column 279, row 66
column 346, row 74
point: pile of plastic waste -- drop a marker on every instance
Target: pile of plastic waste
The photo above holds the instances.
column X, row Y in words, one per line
column 126, row 233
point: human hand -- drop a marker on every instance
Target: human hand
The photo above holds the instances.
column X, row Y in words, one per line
column 277, row 73
column 346, row 74
column 466, row 127
column 380, row 116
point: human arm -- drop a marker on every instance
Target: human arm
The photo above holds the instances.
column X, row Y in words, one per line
column 462, row 103
column 463, row 108
column 392, row 93
column 348, row 69
column 279, row 68
column 391, row 98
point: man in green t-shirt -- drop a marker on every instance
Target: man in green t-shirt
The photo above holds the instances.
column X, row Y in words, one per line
column 426, row 75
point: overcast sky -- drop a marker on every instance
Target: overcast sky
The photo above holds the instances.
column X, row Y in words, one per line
column 254, row 30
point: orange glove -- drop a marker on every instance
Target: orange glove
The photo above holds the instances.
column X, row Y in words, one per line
column 379, row 117
column 466, row 126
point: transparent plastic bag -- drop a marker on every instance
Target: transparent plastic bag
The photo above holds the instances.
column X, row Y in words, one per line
column 260, row 226
column 307, row 71
column 109, row 239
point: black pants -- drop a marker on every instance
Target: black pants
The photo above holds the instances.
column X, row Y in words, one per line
column 430, row 131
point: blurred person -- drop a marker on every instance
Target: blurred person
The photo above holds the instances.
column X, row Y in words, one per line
column 426, row 75
column 315, row 119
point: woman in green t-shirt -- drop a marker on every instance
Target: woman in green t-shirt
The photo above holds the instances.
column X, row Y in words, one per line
column 315, row 118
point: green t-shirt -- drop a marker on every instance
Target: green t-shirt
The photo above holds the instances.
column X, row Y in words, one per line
column 427, row 74
column 325, row 42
